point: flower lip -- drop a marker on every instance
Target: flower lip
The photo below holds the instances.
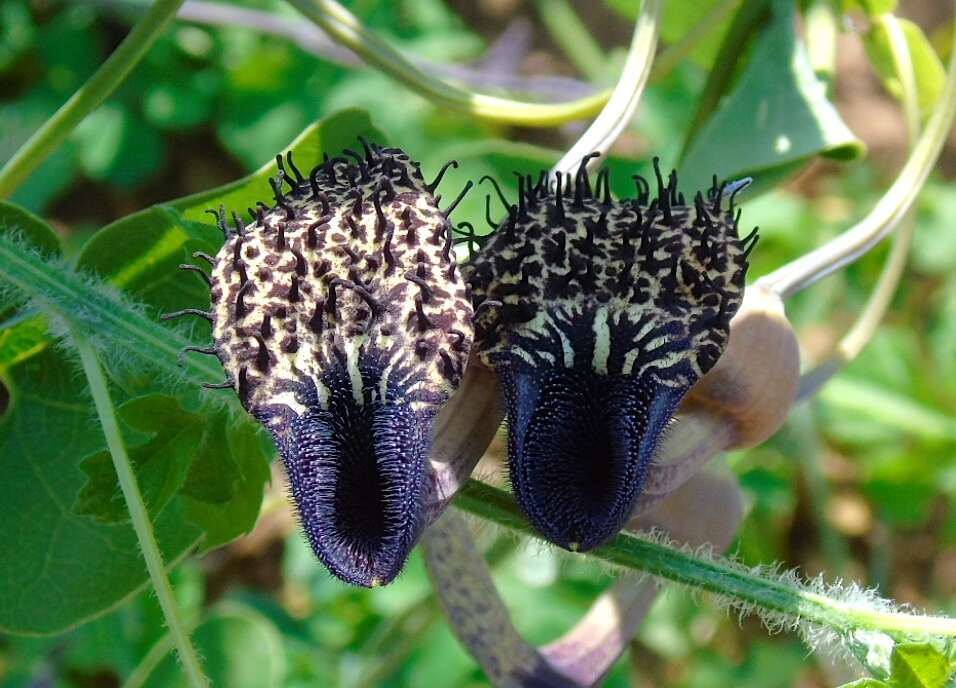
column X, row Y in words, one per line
column 580, row 445
column 357, row 472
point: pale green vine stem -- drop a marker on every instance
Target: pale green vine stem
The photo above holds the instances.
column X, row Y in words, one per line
column 779, row 600
column 885, row 216
column 343, row 27
column 97, row 89
column 865, row 326
column 617, row 114
column 156, row 654
column 137, row 510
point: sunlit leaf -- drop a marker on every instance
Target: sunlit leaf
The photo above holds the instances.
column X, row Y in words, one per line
column 776, row 117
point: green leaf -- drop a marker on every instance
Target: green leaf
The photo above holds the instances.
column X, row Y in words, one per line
column 329, row 135
column 129, row 155
column 162, row 449
column 927, row 67
column 240, row 648
column 59, row 569
column 774, row 120
column 866, row 683
column 919, row 665
column 234, row 457
column 13, row 218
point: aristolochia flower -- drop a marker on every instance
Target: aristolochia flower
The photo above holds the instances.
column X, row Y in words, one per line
column 598, row 316
column 343, row 324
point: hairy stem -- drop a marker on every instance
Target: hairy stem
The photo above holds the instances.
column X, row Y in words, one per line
column 97, row 89
column 886, row 214
column 98, row 311
column 772, row 597
column 343, row 27
column 866, row 325
column 137, row 510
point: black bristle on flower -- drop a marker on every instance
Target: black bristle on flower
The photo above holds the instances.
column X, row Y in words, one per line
column 343, row 326
column 598, row 316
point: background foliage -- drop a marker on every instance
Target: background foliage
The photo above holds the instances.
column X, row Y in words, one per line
column 860, row 484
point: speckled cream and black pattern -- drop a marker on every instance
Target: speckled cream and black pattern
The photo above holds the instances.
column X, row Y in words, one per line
column 598, row 316
column 344, row 323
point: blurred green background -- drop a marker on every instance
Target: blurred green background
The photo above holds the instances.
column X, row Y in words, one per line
column 860, row 483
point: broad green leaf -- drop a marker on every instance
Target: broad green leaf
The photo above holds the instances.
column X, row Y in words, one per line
column 866, row 683
column 59, row 569
column 927, row 67
column 240, row 648
column 162, row 450
column 776, row 117
column 22, row 340
column 233, row 459
column 329, row 135
column 13, row 218
column 919, row 665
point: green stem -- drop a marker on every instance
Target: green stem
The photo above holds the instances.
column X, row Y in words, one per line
column 97, row 89
column 156, row 654
column 567, row 30
column 99, row 312
column 343, row 27
column 746, row 22
column 776, row 597
column 620, row 108
column 885, row 216
column 137, row 510
column 867, row 323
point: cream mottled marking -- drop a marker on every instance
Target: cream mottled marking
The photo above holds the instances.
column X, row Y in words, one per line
column 645, row 285
column 272, row 278
column 602, row 340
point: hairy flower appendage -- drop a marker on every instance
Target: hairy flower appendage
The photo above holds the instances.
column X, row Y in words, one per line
column 344, row 324
column 598, row 316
